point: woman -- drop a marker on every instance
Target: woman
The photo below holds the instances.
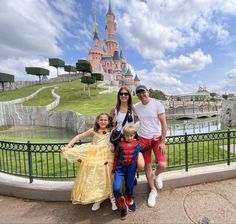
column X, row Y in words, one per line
column 125, row 106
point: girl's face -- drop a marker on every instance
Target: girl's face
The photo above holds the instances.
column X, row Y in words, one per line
column 124, row 95
column 103, row 121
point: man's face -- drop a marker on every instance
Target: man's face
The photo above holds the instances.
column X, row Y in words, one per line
column 143, row 96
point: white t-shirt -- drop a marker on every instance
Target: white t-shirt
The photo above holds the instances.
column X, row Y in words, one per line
column 119, row 118
column 150, row 125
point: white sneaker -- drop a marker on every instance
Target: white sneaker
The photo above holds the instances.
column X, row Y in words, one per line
column 152, row 199
column 113, row 204
column 159, row 182
column 96, row 206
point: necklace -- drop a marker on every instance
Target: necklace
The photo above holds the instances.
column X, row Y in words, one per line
column 104, row 132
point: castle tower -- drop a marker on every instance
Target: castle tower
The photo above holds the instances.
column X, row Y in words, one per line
column 110, row 38
column 95, row 53
column 136, row 80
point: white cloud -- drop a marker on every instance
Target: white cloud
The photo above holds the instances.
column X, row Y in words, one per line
column 17, row 66
column 231, row 74
column 32, row 28
column 160, row 80
column 155, row 28
column 193, row 62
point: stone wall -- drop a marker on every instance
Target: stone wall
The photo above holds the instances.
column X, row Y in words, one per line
column 14, row 114
column 18, row 115
column 228, row 113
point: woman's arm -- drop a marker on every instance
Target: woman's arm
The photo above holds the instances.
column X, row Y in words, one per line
column 77, row 138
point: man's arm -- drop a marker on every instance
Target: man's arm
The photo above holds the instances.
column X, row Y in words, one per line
column 162, row 145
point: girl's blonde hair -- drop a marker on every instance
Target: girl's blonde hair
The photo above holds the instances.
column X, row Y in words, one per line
column 129, row 130
column 110, row 120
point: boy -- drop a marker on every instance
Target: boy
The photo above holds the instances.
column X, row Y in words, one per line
column 124, row 169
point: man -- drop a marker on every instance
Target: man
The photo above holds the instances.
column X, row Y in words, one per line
column 152, row 135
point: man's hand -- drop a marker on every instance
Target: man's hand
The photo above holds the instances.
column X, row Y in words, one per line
column 162, row 148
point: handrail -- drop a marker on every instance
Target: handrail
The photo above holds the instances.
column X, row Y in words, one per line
column 44, row 161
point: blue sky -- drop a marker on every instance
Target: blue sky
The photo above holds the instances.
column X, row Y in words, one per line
column 173, row 45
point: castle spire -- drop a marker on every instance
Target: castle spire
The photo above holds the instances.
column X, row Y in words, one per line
column 109, row 12
column 95, row 30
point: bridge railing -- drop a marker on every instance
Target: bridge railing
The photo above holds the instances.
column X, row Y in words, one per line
column 44, row 161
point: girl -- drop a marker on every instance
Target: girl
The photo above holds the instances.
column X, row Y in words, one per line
column 94, row 179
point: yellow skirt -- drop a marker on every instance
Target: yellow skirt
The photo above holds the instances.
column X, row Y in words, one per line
column 94, row 178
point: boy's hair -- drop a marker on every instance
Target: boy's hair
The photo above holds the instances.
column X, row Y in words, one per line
column 129, row 130
column 110, row 120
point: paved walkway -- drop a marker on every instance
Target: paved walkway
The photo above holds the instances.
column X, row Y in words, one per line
column 204, row 203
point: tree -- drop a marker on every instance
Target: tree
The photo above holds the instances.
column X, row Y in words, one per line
column 69, row 68
column 98, row 77
column 157, row 94
column 4, row 77
column 88, row 80
column 38, row 71
column 57, row 63
column 84, row 66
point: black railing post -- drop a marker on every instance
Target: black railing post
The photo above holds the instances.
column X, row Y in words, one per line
column 30, row 161
column 228, row 147
column 186, row 151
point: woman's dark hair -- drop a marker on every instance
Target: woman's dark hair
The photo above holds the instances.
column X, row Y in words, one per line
column 110, row 120
column 129, row 100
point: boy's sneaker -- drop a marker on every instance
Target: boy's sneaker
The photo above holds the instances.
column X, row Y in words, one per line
column 132, row 207
column 159, row 182
column 96, row 206
column 152, row 199
column 113, row 204
column 124, row 209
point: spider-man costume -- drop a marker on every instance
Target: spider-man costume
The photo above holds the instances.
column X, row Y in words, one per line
column 124, row 167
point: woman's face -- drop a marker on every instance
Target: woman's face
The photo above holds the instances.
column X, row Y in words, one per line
column 124, row 95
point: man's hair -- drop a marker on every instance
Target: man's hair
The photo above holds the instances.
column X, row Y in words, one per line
column 129, row 130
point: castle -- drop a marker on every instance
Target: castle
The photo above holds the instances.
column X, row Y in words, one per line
column 107, row 58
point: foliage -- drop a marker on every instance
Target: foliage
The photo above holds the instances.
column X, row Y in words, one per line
column 98, row 76
column 157, row 94
column 56, row 62
column 88, row 80
column 84, row 66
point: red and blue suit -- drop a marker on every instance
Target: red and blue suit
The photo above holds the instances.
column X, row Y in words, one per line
column 124, row 168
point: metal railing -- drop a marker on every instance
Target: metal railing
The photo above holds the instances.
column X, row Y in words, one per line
column 44, row 161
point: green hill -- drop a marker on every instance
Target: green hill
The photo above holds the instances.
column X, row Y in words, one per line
column 73, row 97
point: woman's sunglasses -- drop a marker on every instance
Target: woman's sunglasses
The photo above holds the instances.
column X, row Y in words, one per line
column 123, row 94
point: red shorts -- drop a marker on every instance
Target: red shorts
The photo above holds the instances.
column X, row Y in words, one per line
column 149, row 145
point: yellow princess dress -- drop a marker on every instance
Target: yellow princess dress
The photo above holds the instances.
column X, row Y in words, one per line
column 94, row 179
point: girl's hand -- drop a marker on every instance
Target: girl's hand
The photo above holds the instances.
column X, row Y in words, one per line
column 64, row 149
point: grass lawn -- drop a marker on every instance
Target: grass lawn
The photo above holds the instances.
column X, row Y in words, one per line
column 43, row 98
column 73, row 97
column 20, row 93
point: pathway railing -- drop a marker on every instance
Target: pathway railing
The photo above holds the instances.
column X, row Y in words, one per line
column 44, row 161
